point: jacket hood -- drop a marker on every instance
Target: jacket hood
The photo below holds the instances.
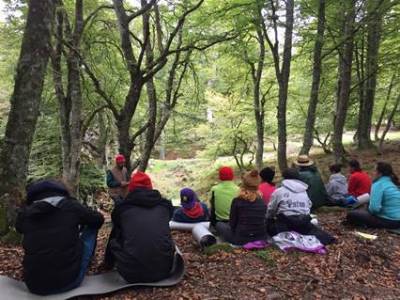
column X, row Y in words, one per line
column 338, row 178
column 143, row 197
column 45, row 189
column 43, row 207
column 294, row 185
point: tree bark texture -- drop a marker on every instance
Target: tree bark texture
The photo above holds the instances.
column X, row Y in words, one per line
column 345, row 64
column 316, row 77
column 374, row 32
column 70, row 103
column 258, row 99
column 284, row 85
column 25, row 104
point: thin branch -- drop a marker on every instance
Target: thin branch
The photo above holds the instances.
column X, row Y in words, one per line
column 89, row 120
column 94, row 13
column 141, row 11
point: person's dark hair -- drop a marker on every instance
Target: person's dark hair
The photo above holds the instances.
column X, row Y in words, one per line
column 335, row 168
column 291, row 173
column 386, row 170
column 267, row 174
column 355, row 165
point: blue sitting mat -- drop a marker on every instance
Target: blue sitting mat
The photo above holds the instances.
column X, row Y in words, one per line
column 92, row 285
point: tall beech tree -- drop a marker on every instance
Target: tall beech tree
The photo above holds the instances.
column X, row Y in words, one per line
column 375, row 11
column 25, row 105
column 315, row 85
column 282, row 69
column 142, row 66
column 344, row 80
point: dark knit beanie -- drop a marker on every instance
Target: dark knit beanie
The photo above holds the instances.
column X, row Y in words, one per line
column 267, row 174
column 251, row 180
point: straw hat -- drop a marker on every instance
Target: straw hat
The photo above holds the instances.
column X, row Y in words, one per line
column 303, row 161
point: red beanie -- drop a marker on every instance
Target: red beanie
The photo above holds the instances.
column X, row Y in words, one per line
column 119, row 158
column 225, row 173
column 140, row 180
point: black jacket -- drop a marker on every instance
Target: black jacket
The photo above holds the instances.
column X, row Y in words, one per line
column 51, row 242
column 141, row 242
column 247, row 220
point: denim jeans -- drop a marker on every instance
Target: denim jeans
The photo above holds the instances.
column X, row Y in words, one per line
column 89, row 238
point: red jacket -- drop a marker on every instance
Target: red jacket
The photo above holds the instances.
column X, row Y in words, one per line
column 359, row 183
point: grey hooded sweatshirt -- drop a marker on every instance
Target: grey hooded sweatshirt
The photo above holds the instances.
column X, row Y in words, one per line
column 337, row 187
column 290, row 199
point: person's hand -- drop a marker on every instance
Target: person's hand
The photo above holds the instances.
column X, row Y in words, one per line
column 124, row 183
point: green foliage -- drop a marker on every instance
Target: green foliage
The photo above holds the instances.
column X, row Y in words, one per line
column 218, row 81
column 45, row 160
column 214, row 249
column 265, row 256
column 92, row 179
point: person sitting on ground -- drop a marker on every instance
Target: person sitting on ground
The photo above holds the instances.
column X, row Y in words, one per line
column 384, row 204
column 192, row 210
column 247, row 214
column 309, row 174
column 359, row 181
column 222, row 195
column 337, row 185
column 140, row 244
column 118, row 179
column 59, row 238
column 267, row 186
column 289, row 209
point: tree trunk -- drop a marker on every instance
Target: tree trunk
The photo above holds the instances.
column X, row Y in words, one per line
column 359, row 55
column 150, row 133
column 258, row 100
column 102, row 141
column 345, row 61
column 389, row 123
column 374, row 27
column 151, row 95
column 312, row 107
column 71, row 103
column 283, row 86
column 25, row 104
column 383, row 112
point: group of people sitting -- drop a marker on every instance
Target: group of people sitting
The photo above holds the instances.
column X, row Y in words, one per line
column 255, row 209
column 60, row 234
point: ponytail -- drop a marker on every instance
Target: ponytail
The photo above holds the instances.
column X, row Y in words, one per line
column 386, row 170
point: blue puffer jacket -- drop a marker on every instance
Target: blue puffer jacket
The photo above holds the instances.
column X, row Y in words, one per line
column 385, row 199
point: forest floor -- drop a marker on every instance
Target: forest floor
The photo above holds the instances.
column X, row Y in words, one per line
column 353, row 268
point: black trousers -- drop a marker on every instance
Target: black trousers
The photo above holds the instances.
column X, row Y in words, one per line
column 225, row 231
column 363, row 218
column 301, row 224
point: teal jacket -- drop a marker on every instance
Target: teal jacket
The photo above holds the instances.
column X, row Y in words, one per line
column 385, row 199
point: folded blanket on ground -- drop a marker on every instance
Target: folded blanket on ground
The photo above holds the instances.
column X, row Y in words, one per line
column 289, row 240
column 92, row 285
